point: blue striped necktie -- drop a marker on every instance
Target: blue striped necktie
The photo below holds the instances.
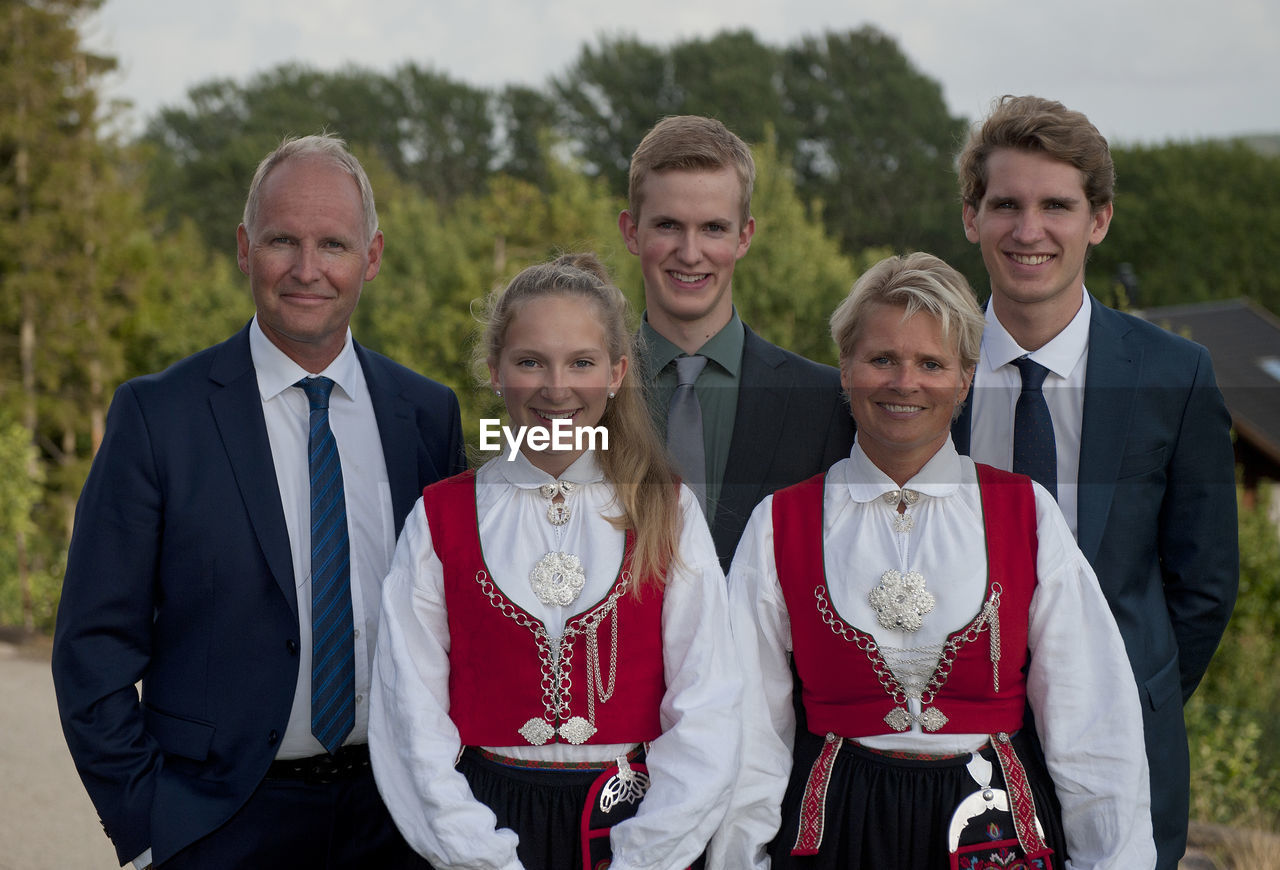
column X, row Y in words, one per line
column 333, row 712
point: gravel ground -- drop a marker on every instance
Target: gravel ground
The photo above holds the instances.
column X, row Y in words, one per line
column 46, row 819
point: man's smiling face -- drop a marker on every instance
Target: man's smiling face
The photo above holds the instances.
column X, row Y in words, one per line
column 1035, row 227
column 689, row 235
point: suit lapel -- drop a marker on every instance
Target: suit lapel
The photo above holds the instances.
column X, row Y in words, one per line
column 1110, row 383
column 237, row 411
column 757, row 428
column 960, row 426
column 398, row 433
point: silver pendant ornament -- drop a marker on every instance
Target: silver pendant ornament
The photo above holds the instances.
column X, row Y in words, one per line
column 901, row 600
column 627, row 786
column 558, row 579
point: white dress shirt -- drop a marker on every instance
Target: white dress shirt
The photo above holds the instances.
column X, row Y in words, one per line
column 414, row 743
column 995, row 396
column 1078, row 683
column 370, row 522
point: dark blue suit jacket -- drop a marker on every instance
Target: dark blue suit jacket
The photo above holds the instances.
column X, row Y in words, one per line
column 180, row 576
column 1157, row 521
column 792, row 422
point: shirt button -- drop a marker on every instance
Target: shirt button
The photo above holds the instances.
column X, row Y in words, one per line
column 292, row 646
column 359, row 699
column 273, row 737
column 357, row 633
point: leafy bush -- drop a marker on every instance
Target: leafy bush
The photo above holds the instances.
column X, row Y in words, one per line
column 1232, row 720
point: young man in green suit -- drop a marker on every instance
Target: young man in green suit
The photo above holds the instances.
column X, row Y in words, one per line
column 769, row 417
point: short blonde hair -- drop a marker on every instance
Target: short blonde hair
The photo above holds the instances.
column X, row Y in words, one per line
column 915, row 282
column 690, row 142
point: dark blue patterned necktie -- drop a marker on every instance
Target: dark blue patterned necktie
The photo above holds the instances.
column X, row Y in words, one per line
column 1035, row 451
column 332, row 646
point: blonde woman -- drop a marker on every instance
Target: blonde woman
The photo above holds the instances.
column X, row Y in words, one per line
column 926, row 603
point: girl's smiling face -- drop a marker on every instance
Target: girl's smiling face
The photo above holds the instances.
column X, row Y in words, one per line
column 554, row 365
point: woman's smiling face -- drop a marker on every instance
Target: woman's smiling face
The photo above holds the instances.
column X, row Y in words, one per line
column 904, row 382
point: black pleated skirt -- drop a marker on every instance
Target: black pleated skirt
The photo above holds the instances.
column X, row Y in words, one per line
column 543, row 807
column 888, row 813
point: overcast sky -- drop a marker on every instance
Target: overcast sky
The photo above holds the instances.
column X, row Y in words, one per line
column 1143, row 70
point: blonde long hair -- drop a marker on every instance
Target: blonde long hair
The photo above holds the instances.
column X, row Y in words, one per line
column 636, row 462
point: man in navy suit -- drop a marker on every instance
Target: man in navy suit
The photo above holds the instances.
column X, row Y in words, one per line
column 190, row 567
column 1144, row 469
column 770, row 418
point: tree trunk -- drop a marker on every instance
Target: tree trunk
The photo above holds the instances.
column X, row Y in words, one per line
column 27, row 329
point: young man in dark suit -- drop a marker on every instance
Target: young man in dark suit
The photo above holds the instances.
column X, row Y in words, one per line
column 1135, row 436
column 228, row 553
column 768, row 417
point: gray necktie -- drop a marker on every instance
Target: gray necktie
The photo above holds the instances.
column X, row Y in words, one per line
column 684, row 427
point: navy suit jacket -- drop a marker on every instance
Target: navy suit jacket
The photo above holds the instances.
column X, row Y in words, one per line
column 1157, row 521
column 792, row 422
column 180, row 576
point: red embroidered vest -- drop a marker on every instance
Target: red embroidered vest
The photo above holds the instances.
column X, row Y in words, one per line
column 841, row 691
column 496, row 679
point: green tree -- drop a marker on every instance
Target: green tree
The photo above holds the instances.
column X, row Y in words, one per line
column 613, row 93
column 57, row 191
column 875, row 144
column 1195, row 221
column 447, row 132
column 524, row 120
column 429, row 129
column 609, row 98
column 794, row 275
column 186, row 296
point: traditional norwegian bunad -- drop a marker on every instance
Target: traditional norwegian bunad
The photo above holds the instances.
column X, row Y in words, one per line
column 922, row 621
column 581, row 716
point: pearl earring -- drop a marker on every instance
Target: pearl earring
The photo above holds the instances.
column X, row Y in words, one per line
column 612, row 394
column 498, row 393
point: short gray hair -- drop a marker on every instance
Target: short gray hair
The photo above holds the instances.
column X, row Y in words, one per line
column 324, row 146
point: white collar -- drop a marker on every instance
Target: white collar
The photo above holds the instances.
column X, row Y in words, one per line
column 276, row 372
column 939, row 477
column 1059, row 355
column 522, row 473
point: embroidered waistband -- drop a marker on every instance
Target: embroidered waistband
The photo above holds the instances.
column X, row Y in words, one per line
column 903, row 755
column 530, row 764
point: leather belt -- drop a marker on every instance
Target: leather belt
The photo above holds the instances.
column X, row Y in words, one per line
column 347, row 763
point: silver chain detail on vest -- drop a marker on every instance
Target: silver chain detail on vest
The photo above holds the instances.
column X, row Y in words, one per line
column 931, row 718
column 556, row 656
